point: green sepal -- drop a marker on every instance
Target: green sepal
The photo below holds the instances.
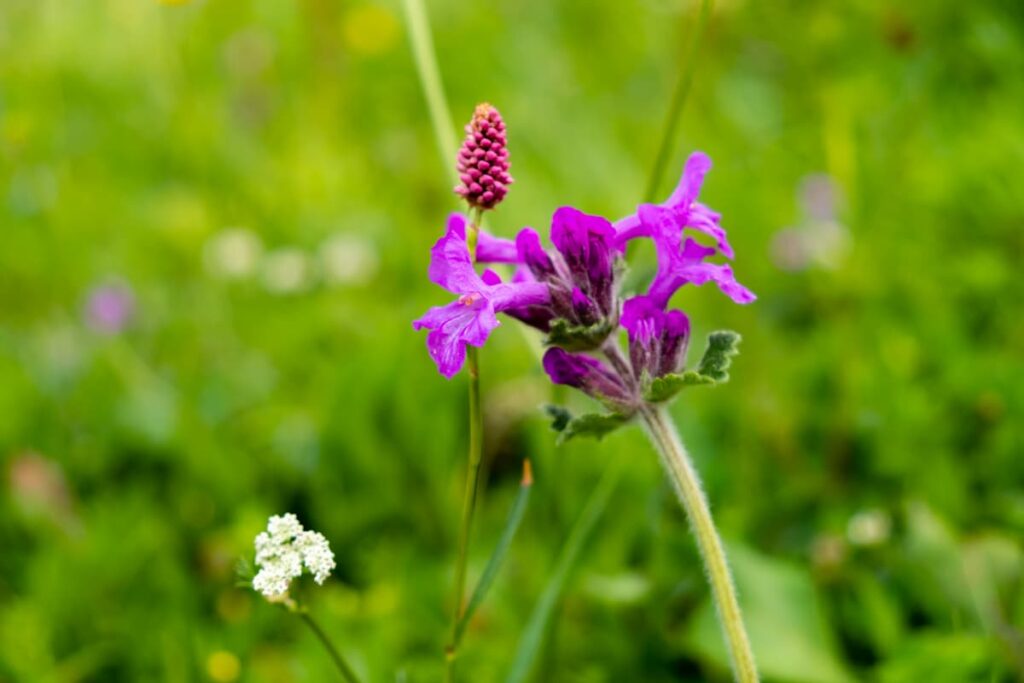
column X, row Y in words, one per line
column 664, row 388
column 712, row 369
column 577, row 337
column 722, row 346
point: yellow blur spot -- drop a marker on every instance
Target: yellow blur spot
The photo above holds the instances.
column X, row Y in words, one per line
column 370, row 30
column 175, row 2
column 223, row 666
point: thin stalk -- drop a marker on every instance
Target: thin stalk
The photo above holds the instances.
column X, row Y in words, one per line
column 346, row 671
column 515, row 517
column 475, row 458
column 430, row 78
column 680, row 470
column 675, row 108
column 530, row 643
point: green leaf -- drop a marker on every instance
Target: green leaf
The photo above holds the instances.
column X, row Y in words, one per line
column 712, row 369
column 560, row 417
column 665, row 387
column 244, row 573
column 722, row 346
column 577, row 337
column 943, row 658
column 788, row 628
column 500, row 550
column 596, row 425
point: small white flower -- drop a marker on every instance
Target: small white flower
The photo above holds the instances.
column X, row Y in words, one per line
column 281, row 552
column 233, row 254
column 348, row 260
column 869, row 527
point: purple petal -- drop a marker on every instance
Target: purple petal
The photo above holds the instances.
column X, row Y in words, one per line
column 585, row 373
column 697, row 166
column 587, row 244
column 584, row 307
column 675, row 338
column 450, row 265
column 629, row 228
column 490, row 278
column 575, row 233
column 726, row 281
column 532, row 253
column 705, row 220
column 518, row 295
column 491, row 249
column 678, row 267
column 637, row 310
column 467, row 320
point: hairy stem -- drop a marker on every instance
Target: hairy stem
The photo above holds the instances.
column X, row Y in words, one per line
column 675, row 107
column 346, row 671
column 680, row 470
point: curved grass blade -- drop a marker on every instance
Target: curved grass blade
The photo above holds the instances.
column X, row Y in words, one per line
column 533, row 636
column 515, row 516
column 430, row 79
column 675, row 108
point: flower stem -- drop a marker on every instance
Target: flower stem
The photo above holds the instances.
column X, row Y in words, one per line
column 675, row 108
column 680, row 470
column 475, row 458
column 346, row 671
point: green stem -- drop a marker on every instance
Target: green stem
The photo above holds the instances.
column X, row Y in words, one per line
column 430, row 78
column 675, row 109
column 346, row 671
column 684, row 478
column 475, row 458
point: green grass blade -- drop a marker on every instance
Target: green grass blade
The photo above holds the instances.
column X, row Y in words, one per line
column 498, row 557
column 425, row 58
column 675, row 108
column 530, row 642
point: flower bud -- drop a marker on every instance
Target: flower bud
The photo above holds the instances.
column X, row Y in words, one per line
column 590, row 376
column 483, row 160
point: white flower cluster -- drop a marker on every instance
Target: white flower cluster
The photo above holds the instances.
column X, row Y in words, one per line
column 281, row 552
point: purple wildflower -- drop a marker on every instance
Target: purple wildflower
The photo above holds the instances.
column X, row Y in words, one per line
column 470, row 318
column 589, row 375
column 483, row 160
column 658, row 339
column 681, row 210
column 683, row 263
column 579, row 274
column 109, row 308
column 587, row 244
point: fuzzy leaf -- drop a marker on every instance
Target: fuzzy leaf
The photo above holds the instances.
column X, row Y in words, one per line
column 596, row 425
column 665, row 387
column 722, row 346
column 577, row 337
column 560, row 417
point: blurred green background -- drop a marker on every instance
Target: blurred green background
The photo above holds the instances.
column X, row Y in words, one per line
column 214, row 229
